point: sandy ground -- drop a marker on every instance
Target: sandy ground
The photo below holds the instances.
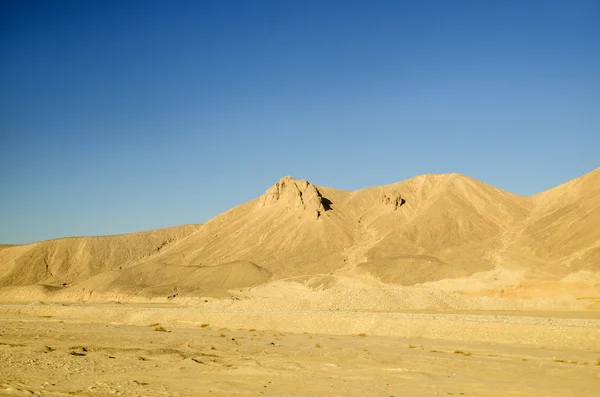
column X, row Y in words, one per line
column 53, row 350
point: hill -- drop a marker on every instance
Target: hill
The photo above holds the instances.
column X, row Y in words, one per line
column 442, row 234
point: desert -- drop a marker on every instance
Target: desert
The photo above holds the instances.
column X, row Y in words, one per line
column 299, row 198
column 437, row 285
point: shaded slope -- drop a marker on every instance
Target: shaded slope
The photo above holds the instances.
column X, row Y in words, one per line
column 563, row 234
column 4, row 246
column 153, row 279
column 71, row 260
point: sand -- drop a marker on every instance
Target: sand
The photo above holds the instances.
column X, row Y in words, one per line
column 102, row 350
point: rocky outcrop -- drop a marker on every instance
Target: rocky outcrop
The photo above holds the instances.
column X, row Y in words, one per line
column 393, row 200
column 296, row 194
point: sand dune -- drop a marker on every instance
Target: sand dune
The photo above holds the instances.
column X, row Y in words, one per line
column 443, row 233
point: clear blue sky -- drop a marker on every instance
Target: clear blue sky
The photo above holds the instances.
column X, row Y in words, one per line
column 120, row 116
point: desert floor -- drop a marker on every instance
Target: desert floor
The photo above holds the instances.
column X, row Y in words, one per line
column 101, row 350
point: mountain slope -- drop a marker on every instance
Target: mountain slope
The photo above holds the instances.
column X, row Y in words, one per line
column 422, row 230
column 446, row 228
column 564, row 230
column 71, row 260
column 290, row 230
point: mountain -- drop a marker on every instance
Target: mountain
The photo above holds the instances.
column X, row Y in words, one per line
column 71, row 260
column 431, row 230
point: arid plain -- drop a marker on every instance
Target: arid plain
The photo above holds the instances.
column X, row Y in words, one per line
column 437, row 285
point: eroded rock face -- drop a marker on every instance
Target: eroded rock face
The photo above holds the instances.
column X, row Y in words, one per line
column 393, row 200
column 296, row 194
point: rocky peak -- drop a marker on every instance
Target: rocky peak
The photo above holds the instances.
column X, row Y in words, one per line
column 392, row 199
column 295, row 194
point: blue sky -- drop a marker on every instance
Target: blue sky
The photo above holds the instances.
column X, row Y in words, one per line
column 121, row 116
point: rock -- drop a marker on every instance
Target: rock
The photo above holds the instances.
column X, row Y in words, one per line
column 393, row 200
column 296, row 194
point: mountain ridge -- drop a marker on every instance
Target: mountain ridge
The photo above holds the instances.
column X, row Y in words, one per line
column 425, row 229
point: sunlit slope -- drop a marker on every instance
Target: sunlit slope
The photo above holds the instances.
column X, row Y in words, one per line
column 292, row 229
column 449, row 226
column 427, row 228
